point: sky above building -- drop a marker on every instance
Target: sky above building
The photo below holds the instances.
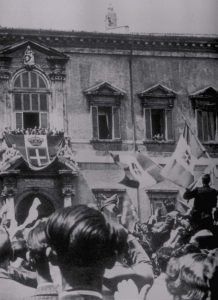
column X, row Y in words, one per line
column 144, row 16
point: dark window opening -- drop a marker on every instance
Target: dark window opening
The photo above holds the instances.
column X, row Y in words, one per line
column 26, row 102
column 17, row 102
column 30, row 120
column 105, row 122
column 158, row 124
column 207, row 128
column 43, row 102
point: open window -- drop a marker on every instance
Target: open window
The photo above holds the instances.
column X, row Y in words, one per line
column 30, row 100
column 205, row 104
column 105, row 103
column 158, row 102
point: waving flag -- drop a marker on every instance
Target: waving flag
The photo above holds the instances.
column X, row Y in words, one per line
column 180, row 168
column 37, row 150
column 195, row 145
column 140, row 170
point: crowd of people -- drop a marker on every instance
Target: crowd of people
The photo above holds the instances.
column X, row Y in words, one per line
column 34, row 131
column 76, row 253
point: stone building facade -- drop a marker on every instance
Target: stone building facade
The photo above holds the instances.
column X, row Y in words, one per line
column 112, row 93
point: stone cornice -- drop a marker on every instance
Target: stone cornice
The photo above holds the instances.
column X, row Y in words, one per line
column 97, row 40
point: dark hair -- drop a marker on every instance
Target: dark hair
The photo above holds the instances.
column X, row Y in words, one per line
column 163, row 256
column 211, row 271
column 80, row 236
column 169, row 204
column 19, row 248
column 206, row 178
column 5, row 246
column 186, row 277
column 37, row 243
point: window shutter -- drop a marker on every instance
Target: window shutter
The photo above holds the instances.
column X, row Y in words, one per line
column 116, row 122
column 19, row 120
column 199, row 125
column 205, row 125
column 17, row 102
column 44, row 120
column 148, row 133
column 95, row 122
column 169, row 120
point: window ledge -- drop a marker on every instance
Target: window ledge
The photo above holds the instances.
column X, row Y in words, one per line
column 212, row 143
column 106, row 141
column 171, row 142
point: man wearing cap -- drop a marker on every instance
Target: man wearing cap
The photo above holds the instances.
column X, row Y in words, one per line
column 205, row 201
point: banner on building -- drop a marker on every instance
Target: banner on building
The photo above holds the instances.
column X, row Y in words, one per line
column 37, row 150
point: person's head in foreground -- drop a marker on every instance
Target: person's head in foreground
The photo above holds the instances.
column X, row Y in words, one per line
column 5, row 249
column 163, row 256
column 37, row 246
column 211, row 270
column 186, row 278
column 83, row 244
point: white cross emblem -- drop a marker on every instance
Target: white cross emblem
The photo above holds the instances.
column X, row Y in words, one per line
column 136, row 169
column 187, row 157
column 38, row 156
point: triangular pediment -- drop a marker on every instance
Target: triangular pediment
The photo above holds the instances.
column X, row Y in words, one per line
column 208, row 92
column 157, row 91
column 50, row 53
column 104, row 89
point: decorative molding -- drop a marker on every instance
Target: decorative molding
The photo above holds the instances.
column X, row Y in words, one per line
column 54, row 38
column 57, row 76
column 156, row 195
column 104, row 89
column 157, row 96
column 206, row 99
column 104, row 94
column 5, row 75
column 56, row 59
column 68, row 191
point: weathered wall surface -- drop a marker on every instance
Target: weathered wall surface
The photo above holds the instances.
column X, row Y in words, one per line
column 182, row 64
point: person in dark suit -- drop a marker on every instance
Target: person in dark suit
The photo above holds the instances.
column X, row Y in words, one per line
column 205, row 201
column 83, row 244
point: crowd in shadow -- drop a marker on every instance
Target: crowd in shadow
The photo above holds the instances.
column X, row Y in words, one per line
column 76, row 253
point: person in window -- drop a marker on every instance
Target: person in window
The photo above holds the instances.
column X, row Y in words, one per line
column 161, row 231
column 205, row 201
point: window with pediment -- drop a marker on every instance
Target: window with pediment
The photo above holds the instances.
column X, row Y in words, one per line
column 205, row 104
column 157, row 199
column 30, row 97
column 158, row 102
column 105, row 101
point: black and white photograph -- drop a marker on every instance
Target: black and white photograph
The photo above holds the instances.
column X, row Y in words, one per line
column 108, row 150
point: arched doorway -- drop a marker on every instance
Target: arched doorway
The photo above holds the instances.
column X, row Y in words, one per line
column 45, row 208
